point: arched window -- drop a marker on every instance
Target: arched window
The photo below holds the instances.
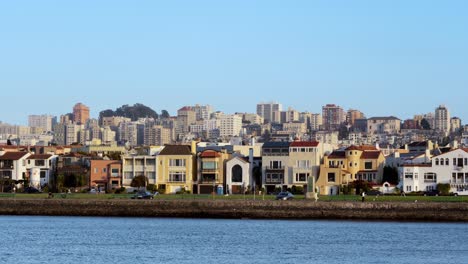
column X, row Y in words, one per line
column 436, row 162
column 447, row 162
column 237, row 173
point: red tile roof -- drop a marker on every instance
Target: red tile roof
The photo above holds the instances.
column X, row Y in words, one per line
column 304, row 144
column 39, row 156
column 13, row 155
column 337, row 155
column 370, row 155
column 210, row 154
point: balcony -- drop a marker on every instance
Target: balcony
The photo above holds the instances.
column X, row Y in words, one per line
column 208, row 178
column 274, row 168
column 274, row 181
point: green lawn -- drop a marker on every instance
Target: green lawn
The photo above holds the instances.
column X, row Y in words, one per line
column 350, row 198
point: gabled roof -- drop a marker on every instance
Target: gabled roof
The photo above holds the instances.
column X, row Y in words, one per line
column 242, row 159
column 464, row 149
column 361, row 148
column 176, row 150
column 337, row 155
column 304, row 144
column 276, row 144
column 13, row 155
column 370, row 154
column 39, row 156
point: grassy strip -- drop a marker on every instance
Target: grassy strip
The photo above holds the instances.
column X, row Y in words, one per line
column 350, row 198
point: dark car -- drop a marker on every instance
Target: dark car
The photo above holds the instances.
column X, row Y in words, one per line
column 374, row 192
column 432, row 193
column 284, row 196
column 31, row 190
column 144, row 195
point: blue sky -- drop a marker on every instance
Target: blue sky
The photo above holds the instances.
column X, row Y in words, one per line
column 381, row 57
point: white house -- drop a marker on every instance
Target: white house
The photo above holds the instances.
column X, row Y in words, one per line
column 43, row 165
column 238, row 174
column 450, row 167
column 13, row 165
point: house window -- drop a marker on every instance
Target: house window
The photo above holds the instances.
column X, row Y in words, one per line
column 150, row 162
column 104, row 170
column 274, row 177
column 368, row 165
column 209, row 165
column 177, row 162
column 460, row 162
column 303, row 164
column 95, row 170
column 42, row 174
column 466, row 161
column 455, row 161
column 350, row 164
column 408, row 188
column 331, row 177
column 447, row 162
column 177, row 176
column 301, row 177
column 236, row 174
column 454, row 178
column 430, row 177
column 436, row 162
column 151, row 175
column 275, row 164
column 408, row 175
column 115, row 172
column 39, row 163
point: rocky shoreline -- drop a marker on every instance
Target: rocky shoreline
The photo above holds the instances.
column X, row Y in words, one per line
column 240, row 209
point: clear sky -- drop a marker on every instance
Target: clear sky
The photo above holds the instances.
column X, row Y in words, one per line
column 382, row 57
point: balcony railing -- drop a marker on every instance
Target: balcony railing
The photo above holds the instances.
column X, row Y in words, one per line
column 274, row 168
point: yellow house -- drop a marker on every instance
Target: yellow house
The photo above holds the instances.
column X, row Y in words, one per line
column 176, row 168
column 211, row 171
column 342, row 167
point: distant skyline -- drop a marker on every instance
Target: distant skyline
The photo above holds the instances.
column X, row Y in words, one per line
column 381, row 57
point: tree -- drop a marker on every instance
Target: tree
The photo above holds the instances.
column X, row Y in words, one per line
column 390, row 175
column 443, row 188
column 425, row 124
column 139, row 181
column 133, row 112
column 165, row 114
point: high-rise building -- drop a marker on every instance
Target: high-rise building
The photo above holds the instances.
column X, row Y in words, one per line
column 333, row 116
column 455, row 124
column 157, row 136
column 80, row 114
column 352, row 115
column 442, row 119
column 46, row 122
column 230, row 125
column 266, row 110
column 202, row 112
column 186, row 116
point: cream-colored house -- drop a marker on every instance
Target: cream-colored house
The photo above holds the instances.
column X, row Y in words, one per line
column 345, row 166
column 176, row 168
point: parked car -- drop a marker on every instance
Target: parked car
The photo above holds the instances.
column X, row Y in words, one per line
column 144, row 195
column 374, row 192
column 432, row 193
column 284, row 196
column 31, row 190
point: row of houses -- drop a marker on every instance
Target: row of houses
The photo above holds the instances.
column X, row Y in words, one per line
column 203, row 168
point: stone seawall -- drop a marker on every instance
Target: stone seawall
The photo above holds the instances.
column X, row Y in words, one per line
column 254, row 209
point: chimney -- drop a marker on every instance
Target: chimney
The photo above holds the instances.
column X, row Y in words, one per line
column 427, row 156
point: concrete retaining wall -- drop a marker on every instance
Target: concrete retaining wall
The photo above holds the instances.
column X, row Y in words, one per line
column 254, row 209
